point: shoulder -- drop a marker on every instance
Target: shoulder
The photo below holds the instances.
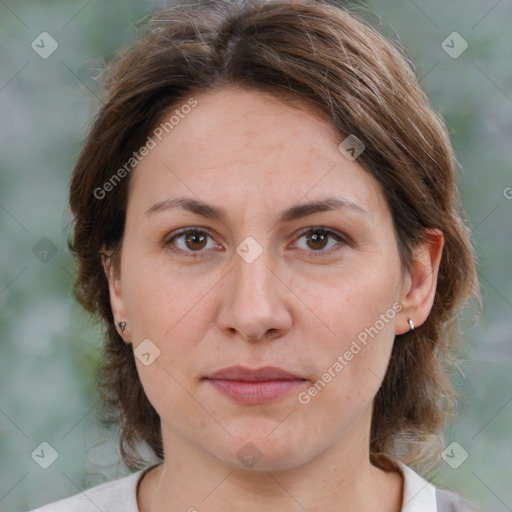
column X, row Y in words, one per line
column 422, row 496
column 450, row 501
column 115, row 496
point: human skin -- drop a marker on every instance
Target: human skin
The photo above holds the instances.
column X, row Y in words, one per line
column 295, row 306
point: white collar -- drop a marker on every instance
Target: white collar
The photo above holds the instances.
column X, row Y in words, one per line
column 121, row 495
column 419, row 495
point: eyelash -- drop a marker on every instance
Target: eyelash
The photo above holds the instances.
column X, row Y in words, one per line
column 312, row 254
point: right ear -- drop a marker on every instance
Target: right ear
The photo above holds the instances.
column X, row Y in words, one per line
column 116, row 294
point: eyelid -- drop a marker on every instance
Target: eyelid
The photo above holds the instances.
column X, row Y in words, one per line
column 324, row 229
column 340, row 237
column 167, row 242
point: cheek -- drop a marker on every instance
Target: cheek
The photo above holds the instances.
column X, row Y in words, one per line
column 354, row 323
column 351, row 301
column 166, row 304
column 351, row 370
column 171, row 312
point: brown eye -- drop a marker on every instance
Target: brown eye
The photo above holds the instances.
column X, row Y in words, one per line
column 317, row 239
column 195, row 240
column 189, row 242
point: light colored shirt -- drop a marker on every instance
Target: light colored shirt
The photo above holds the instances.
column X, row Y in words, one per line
column 121, row 496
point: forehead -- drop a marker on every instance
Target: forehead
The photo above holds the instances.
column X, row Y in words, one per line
column 243, row 144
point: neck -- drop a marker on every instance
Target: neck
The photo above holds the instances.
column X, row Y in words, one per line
column 340, row 479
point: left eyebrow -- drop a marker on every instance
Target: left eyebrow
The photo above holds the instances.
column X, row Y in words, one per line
column 294, row 212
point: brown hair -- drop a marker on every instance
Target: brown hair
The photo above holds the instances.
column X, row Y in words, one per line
column 365, row 86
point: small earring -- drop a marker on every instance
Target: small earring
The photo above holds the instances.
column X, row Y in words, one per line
column 122, row 326
column 411, row 324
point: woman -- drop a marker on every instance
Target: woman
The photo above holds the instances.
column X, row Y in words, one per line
column 268, row 225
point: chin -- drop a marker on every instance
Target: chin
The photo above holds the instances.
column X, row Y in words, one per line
column 265, row 449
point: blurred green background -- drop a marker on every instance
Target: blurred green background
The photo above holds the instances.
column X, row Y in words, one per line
column 49, row 346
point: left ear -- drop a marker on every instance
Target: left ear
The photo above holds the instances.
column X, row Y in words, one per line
column 419, row 288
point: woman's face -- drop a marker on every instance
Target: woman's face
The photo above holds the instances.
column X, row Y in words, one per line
column 260, row 284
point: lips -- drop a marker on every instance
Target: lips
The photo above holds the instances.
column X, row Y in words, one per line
column 241, row 373
column 255, row 387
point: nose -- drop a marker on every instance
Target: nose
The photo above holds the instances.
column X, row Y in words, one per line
column 256, row 303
